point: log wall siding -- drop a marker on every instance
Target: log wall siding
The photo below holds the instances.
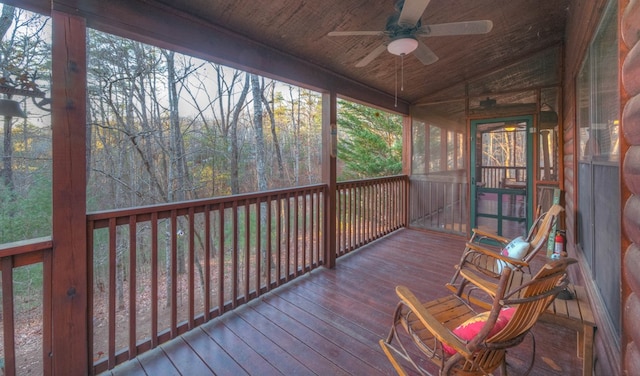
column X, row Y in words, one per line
column 630, row 35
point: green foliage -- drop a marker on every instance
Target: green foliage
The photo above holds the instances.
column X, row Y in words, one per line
column 27, row 215
column 370, row 142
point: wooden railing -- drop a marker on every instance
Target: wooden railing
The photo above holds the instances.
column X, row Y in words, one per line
column 26, row 303
column 162, row 270
column 156, row 272
column 369, row 209
column 494, row 176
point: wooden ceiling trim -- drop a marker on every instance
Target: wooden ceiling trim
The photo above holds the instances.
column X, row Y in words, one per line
column 437, row 96
column 157, row 24
column 37, row 6
column 485, row 94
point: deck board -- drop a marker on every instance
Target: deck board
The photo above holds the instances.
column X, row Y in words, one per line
column 328, row 322
column 212, row 354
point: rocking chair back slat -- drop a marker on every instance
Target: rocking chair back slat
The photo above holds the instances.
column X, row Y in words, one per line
column 540, row 236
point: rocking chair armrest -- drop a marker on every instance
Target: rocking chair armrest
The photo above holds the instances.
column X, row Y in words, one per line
column 486, row 234
column 483, row 283
column 441, row 332
column 471, row 247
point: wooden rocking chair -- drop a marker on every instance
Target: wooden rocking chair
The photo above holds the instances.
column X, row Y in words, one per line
column 480, row 258
column 430, row 326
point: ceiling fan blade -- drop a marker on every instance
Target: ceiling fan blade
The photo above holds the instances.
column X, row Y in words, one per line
column 372, row 55
column 412, row 11
column 456, row 28
column 425, row 54
column 353, row 33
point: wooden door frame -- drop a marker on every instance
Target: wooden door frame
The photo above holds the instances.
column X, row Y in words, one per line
column 531, row 132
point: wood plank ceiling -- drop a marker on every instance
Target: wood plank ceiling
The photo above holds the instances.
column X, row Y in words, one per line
column 521, row 28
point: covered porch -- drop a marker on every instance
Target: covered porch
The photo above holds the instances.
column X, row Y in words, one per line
column 300, row 279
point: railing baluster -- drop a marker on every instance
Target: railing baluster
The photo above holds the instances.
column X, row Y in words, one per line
column 339, row 220
column 375, row 219
column 312, row 229
column 304, row 231
column 345, row 225
column 361, row 220
column 221, row 254
column 376, row 211
column 192, row 274
column 47, row 346
column 296, row 229
column 287, row 236
column 279, row 220
column 383, row 219
column 174, row 273
column 112, row 293
column 259, row 271
column 154, row 279
column 207, row 263
column 373, row 215
column 234, row 258
column 354, row 221
column 247, row 250
column 316, row 227
column 369, row 213
column 269, row 230
column 133, row 351
column 391, row 208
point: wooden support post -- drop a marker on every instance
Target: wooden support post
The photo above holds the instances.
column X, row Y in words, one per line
column 329, row 157
column 69, row 264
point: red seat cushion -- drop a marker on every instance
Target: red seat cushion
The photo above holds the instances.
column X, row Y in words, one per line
column 470, row 328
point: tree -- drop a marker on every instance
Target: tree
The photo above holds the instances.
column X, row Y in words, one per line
column 370, row 142
column 24, row 64
column 269, row 104
column 258, row 93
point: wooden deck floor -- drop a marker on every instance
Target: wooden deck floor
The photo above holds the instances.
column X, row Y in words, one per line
column 329, row 321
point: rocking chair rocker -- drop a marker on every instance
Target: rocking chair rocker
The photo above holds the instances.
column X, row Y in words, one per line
column 435, row 328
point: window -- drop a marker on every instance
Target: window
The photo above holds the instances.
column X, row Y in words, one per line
column 598, row 215
column 446, row 150
column 598, row 96
column 438, row 171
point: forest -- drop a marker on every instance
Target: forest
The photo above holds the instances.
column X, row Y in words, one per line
column 167, row 127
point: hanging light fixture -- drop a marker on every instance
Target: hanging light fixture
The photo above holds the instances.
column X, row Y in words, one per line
column 11, row 108
column 402, row 46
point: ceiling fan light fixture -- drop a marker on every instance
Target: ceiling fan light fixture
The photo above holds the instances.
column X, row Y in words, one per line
column 402, row 46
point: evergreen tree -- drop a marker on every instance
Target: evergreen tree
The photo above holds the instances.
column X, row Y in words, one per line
column 370, row 142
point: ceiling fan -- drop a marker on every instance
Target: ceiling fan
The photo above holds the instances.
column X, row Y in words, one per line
column 404, row 27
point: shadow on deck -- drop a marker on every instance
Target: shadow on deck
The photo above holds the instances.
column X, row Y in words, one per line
column 329, row 321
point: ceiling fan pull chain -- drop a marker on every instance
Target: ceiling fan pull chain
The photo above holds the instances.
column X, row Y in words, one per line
column 402, row 72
